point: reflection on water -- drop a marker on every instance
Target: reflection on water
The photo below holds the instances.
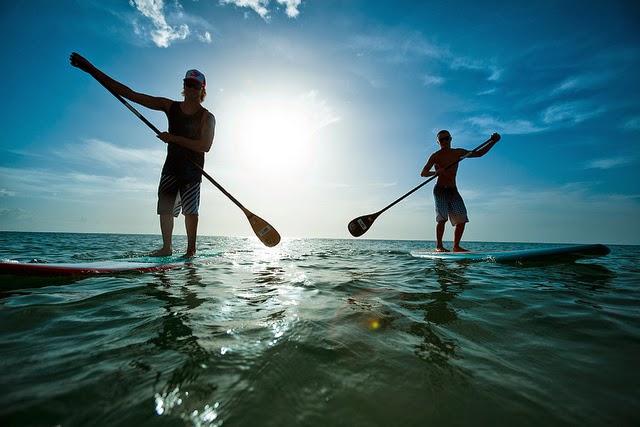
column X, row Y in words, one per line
column 245, row 320
column 438, row 311
column 183, row 393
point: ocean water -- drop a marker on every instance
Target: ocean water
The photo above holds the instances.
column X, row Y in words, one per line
column 317, row 332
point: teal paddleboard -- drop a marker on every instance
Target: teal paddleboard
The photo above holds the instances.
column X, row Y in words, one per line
column 549, row 253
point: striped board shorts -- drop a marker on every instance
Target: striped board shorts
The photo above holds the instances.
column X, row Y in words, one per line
column 449, row 205
column 174, row 196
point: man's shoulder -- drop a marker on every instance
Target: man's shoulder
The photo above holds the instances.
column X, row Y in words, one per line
column 208, row 114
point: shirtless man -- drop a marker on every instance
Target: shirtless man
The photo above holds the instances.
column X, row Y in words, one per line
column 191, row 131
column 449, row 203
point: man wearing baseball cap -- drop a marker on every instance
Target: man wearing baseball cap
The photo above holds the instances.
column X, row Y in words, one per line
column 190, row 135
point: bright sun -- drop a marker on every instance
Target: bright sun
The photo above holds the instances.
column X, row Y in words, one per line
column 275, row 137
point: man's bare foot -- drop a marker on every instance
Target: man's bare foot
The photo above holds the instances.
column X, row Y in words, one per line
column 189, row 255
column 442, row 249
column 161, row 252
column 459, row 249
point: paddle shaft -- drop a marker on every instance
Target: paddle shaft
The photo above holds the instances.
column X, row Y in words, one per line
column 478, row 148
column 157, row 131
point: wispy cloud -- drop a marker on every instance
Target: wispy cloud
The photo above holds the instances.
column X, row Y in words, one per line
column 530, row 206
column 49, row 184
column 607, row 163
column 429, row 80
column 632, row 124
column 96, row 152
column 165, row 23
column 490, row 124
column 161, row 32
column 395, row 46
column 261, row 7
column 322, row 114
column 461, row 62
column 561, row 114
column 258, row 6
column 399, row 46
column 91, row 167
column 291, row 7
column 572, row 112
column 13, row 215
column 582, row 82
column 571, row 196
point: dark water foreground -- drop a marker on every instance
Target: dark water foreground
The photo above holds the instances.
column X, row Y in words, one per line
column 317, row 333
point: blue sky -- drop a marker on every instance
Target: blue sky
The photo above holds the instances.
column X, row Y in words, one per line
column 327, row 110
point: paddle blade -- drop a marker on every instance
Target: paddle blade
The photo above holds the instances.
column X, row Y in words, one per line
column 361, row 225
column 265, row 232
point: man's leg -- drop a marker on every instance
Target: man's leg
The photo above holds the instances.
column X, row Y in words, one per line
column 166, row 228
column 457, row 237
column 191, row 225
column 439, row 235
column 459, row 218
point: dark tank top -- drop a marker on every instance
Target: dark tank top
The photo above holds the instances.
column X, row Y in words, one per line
column 178, row 162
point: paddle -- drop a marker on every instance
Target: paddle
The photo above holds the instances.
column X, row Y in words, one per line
column 263, row 230
column 362, row 224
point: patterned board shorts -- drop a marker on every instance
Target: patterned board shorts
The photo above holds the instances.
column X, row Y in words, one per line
column 174, row 196
column 449, row 204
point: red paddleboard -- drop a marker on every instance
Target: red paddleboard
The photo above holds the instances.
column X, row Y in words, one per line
column 96, row 267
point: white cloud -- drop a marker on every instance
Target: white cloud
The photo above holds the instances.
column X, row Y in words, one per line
column 396, row 46
column 13, row 215
column 291, row 7
column 206, row 37
column 607, row 163
column 284, row 47
column 632, row 124
column 97, row 152
column 321, row 113
column 570, row 112
column 258, row 6
column 167, row 22
column 162, row 33
column 49, row 184
column 261, row 7
column 461, row 62
column 399, row 46
column 429, row 80
column 489, row 124
column 583, row 82
column 487, row 92
column 567, row 85
column 576, row 215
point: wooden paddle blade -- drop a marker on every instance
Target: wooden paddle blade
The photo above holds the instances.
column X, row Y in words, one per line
column 361, row 225
column 265, row 232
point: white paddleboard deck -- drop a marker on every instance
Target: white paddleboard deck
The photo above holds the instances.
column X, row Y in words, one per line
column 550, row 253
column 142, row 264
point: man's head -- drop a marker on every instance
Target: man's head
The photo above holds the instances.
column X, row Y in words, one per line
column 195, row 80
column 444, row 137
column 195, row 76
